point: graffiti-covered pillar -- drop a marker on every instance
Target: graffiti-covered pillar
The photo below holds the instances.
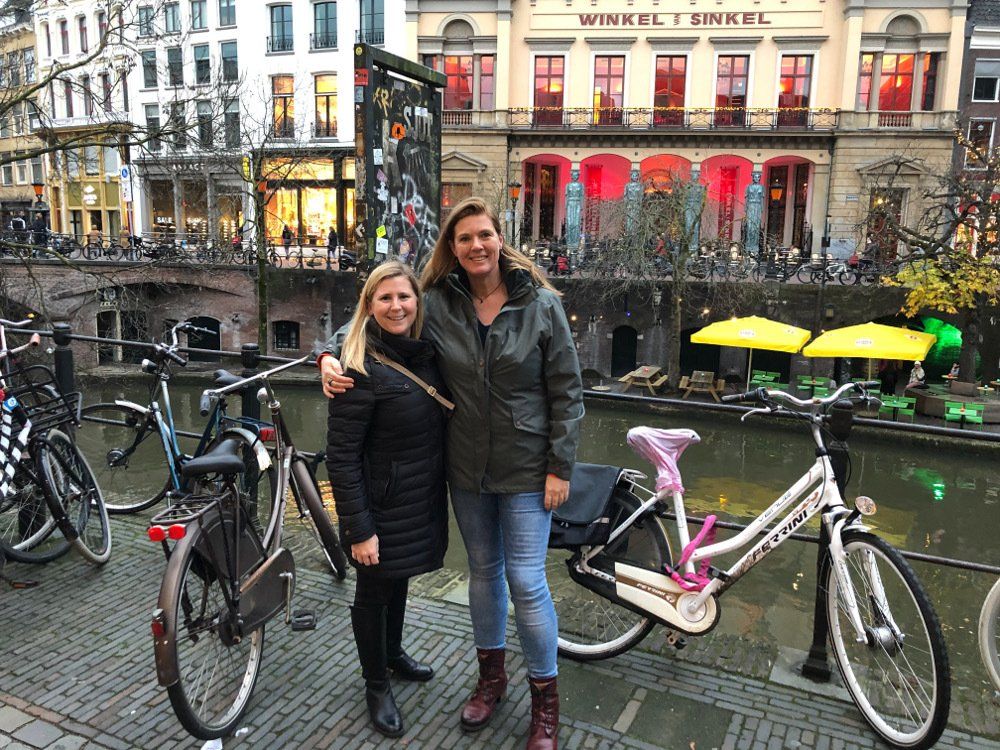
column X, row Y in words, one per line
column 397, row 119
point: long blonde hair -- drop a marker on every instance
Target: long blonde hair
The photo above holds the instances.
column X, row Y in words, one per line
column 443, row 260
column 355, row 345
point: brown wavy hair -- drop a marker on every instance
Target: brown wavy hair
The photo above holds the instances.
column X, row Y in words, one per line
column 443, row 261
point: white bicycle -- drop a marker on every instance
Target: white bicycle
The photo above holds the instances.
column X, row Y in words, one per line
column 609, row 592
column 989, row 633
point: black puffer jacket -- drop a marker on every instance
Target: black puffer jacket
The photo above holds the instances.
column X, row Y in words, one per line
column 385, row 455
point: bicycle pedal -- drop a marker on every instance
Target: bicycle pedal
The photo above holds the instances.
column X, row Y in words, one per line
column 303, row 619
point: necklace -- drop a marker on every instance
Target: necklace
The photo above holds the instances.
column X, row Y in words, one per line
column 485, row 297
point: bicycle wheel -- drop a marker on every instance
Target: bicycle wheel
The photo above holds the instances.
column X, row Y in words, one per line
column 804, row 274
column 214, row 674
column 124, row 447
column 27, row 530
column 848, row 278
column 989, row 633
column 899, row 677
column 307, row 491
column 591, row 626
column 71, row 483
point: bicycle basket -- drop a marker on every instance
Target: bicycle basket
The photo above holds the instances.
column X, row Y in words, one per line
column 36, row 389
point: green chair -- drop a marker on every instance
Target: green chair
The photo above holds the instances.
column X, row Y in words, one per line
column 973, row 413
column 821, row 391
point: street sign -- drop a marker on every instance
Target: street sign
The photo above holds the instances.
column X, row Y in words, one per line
column 125, row 181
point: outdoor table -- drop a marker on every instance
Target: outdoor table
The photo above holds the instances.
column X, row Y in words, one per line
column 961, row 412
column 894, row 403
column 996, row 386
column 702, row 381
column 647, row 375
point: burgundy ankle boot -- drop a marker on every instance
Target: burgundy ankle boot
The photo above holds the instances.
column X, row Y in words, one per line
column 544, row 715
column 490, row 690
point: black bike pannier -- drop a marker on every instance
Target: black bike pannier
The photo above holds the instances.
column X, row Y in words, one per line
column 583, row 519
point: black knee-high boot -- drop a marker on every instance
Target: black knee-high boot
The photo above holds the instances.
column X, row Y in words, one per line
column 369, row 633
column 402, row 664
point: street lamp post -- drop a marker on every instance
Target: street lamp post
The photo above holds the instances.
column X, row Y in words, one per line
column 515, row 192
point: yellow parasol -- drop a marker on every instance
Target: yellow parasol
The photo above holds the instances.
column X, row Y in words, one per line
column 753, row 333
column 872, row 340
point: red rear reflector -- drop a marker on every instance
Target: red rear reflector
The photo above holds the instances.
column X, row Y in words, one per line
column 177, row 531
column 266, row 434
column 156, row 533
column 158, row 626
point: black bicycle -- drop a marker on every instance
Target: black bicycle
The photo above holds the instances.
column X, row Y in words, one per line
column 45, row 482
column 229, row 574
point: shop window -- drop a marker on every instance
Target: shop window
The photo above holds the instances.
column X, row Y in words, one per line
column 149, row 68
column 985, row 86
column 286, row 334
column 199, row 16
column 227, row 12
column 731, row 83
column 326, row 106
column 669, row 90
column 896, row 83
column 458, row 92
column 283, row 106
column 981, row 139
column 609, row 89
column 202, row 64
column 794, row 90
column 549, row 73
column 230, row 68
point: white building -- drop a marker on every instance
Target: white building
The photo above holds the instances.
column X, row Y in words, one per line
column 246, row 78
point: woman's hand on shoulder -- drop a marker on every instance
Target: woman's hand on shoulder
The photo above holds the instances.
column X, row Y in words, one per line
column 332, row 376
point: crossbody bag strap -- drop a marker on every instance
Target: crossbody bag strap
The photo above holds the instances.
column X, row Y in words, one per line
column 431, row 390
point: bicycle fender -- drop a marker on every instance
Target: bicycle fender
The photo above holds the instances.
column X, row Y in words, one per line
column 658, row 595
column 131, row 405
column 259, row 450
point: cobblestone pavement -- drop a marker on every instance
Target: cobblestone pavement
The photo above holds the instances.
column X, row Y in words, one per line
column 77, row 672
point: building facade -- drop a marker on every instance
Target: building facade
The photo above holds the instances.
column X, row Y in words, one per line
column 810, row 100
column 18, row 70
column 251, row 97
column 85, row 107
column 979, row 100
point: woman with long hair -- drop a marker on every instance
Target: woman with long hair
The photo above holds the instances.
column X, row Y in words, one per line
column 506, row 353
column 384, row 455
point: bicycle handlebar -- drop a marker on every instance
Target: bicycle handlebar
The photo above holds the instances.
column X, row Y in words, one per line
column 763, row 395
column 16, row 324
column 212, row 394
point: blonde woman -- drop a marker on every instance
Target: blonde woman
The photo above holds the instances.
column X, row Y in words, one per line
column 506, row 352
column 385, row 456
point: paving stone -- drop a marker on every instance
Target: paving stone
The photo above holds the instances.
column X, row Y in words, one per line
column 12, row 719
column 38, row 733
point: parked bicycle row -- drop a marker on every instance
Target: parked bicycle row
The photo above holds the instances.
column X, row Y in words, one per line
column 164, row 250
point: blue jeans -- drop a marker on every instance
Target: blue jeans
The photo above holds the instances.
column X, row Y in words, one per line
column 506, row 538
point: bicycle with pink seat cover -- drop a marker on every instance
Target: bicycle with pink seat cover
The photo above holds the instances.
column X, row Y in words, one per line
column 612, row 590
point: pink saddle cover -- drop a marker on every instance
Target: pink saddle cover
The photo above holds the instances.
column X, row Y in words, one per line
column 662, row 448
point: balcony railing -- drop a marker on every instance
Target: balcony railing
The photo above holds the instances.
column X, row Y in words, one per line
column 668, row 118
column 323, row 41
column 280, row 44
column 371, row 36
column 901, row 120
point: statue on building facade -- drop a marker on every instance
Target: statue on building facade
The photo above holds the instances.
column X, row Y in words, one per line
column 633, row 202
column 754, row 205
column 574, row 209
column 692, row 211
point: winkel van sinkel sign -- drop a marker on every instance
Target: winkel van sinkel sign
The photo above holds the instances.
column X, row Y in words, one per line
column 686, row 20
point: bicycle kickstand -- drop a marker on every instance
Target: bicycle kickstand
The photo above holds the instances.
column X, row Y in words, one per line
column 301, row 619
column 676, row 640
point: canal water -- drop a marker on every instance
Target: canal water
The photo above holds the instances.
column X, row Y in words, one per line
column 941, row 501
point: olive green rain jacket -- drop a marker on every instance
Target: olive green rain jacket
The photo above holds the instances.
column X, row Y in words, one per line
column 518, row 399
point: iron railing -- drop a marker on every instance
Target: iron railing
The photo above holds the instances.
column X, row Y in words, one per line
column 323, row 41
column 280, row 44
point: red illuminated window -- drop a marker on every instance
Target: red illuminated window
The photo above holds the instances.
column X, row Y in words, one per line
column 486, row 84
column 549, row 90
column 865, row 82
column 931, row 60
column 458, row 93
column 609, row 88
column 668, row 95
column 895, row 92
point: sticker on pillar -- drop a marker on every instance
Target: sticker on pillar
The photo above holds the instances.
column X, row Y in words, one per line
column 398, row 131
column 380, row 231
column 359, row 94
column 411, row 215
column 382, row 246
column 377, row 156
column 361, row 77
